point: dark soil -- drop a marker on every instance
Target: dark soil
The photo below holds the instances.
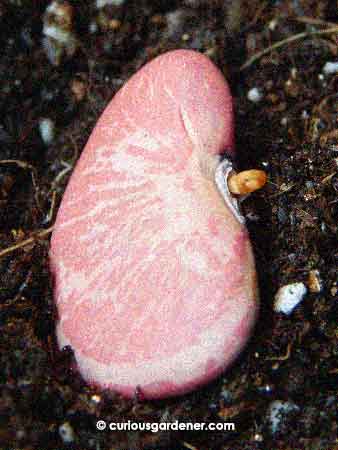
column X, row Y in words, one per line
column 291, row 133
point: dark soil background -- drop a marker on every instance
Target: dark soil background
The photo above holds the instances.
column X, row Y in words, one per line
column 290, row 131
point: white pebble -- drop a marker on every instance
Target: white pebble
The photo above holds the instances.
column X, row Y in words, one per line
column 175, row 21
column 288, row 297
column 20, row 434
column 226, row 395
column 47, row 130
column 258, row 437
column 278, row 410
column 96, row 398
column 93, row 27
column 66, row 432
column 273, row 24
column 54, row 8
column 255, row 95
column 330, row 68
column 294, row 72
column 58, row 34
column 103, row 3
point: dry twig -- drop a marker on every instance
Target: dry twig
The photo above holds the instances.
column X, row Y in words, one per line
column 295, row 37
column 313, row 21
column 25, row 242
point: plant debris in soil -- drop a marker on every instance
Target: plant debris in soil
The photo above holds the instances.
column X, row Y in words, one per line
column 282, row 392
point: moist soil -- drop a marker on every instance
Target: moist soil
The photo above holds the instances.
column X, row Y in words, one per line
column 289, row 130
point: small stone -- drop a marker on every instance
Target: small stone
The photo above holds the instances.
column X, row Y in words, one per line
column 252, row 217
column 93, row 27
column 278, row 411
column 47, row 130
column 314, row 281
column 226, row 395
column 114, row 24
column 79, row 89
column 103, row 3
column 331, row 400
column 292, row 257
column 291, row 88
column 294, row 72
column 255, row 95
column 258, row 437
column 213, row 406
column 96, row 398
column 273, row 24
column 175, row 22
column 267, row 389
column 66, row 433
column 330, row 68
column 59, row 37
column 288, row 297
column 20, row 434
column 282, row 216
